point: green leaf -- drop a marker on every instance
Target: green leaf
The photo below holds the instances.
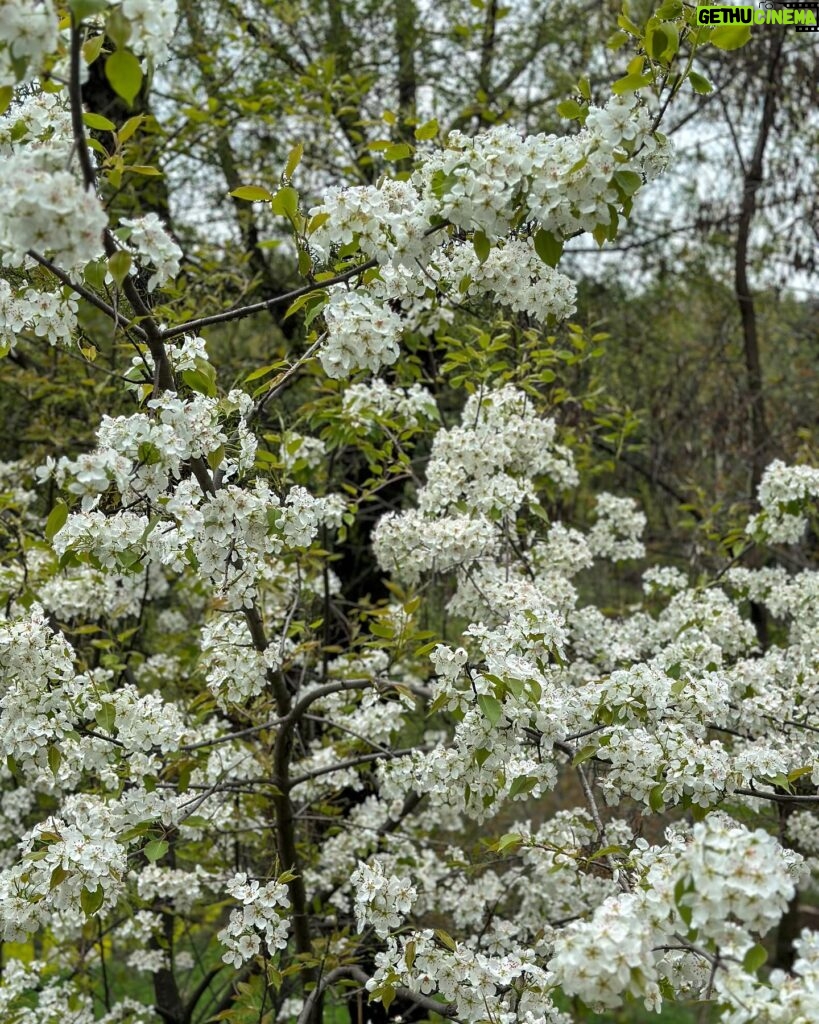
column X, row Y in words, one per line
column 119, row 263
column 445, row 939
column 570, row 109
column 629, row 181
column 428, row 130
column 198, row 381
column 384, row 631
column 387, row 996
column 400, row 151
column 143, row 169
column 506, row 842
column 781, row 780
column 315, row 310
column 155, row 849
column 118, row 28
column 730, row 37
column 94, row 273
column 253, row 193
column 293, row 160
column 285, row 203
column 584, row 754
column 482, row 246
column 92, row 901
column 6, row 96
column 658, row 43
column 98, row 123
column 491, row 707
column 522, row 784
column 655, row 798
column 124, row 74
column 54, row 759
column 196, row 821
column 92, row 48
column 700, row 84
column 754, row 958
column 316, row 222
column 105, row 717
column 605, row 851
column 263, row 371
column 215, row 457
column 130, row 126
column 59, row 874
column 135, row 831
column 680, row 890
column 548, row 248
column 304, row 300
column 56, row 520
column 630, row 83
column 617, row 39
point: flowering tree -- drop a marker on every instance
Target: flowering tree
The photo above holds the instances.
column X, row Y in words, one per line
column 224, row 774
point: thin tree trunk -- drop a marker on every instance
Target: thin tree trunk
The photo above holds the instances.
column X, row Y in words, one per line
column 406, row 33
column 752, row 180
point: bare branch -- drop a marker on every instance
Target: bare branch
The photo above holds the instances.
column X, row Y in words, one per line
column 193, row 326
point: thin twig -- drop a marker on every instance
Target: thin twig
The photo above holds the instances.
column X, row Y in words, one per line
column 87, row 294
column 194, row 326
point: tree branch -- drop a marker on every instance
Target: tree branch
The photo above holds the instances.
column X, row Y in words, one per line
column 357, row 974
column 194, row 326
column 86, row 294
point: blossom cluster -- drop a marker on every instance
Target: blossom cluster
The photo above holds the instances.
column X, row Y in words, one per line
column 478, row 476
column 30, row 32
column 486, row 184
column 261, row 916
column 408, row 407
column 787, row 494
column 361, row 333
column 722, row 881
column 29, row 35
column 382, row 901
column 47, row 315
column 62, row 858
column 149, row 237
column 48, row 211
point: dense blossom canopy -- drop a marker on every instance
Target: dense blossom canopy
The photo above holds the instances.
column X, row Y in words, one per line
column 193, row 759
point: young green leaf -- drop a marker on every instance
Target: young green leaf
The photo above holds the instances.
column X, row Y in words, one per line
column 119, row 263
column 293, row 160
column 56, row 520
column 548, row 248
column 253, row 193
column 491, row 707
column 427, row 131
column 699, row 83
column 155, row 849
column 754, row 958
column 482, row 246
column 124, row 74
column 98, row 123
column 730, row 37
column 92, row 901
